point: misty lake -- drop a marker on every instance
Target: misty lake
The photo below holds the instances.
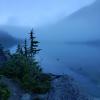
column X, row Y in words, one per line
column 82, row 62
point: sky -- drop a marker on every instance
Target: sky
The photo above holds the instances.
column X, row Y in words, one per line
column 37, row 12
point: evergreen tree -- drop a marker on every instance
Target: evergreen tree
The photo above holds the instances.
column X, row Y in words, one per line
column 33, row 44
column 19, row 49
column 25, row 48
column 3, row 57
column 1, row 49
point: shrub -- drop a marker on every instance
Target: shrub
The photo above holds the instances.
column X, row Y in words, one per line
column 4, row 92
column 23, row 68
column 27, row 73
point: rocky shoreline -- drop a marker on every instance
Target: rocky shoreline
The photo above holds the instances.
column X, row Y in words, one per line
column 62, row 88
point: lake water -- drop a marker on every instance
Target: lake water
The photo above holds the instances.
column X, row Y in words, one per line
column 56, row 57
column 82, row 62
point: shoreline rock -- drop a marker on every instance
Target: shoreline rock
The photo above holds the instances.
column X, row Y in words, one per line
column 62, row 88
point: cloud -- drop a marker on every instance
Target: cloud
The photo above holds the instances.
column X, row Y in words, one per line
column 12, row 21
column 38, row 12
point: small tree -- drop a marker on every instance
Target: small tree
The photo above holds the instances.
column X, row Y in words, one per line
column 1, row 49
column 25, row 48
column 33, row 44
column 23, row 67
column 3, row 56
column 19, row 49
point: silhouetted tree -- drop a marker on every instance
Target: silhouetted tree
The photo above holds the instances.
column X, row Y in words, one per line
column 19, row 49
column 3, row 57
column 1, row 49
column 25, row 48
column 33, row 44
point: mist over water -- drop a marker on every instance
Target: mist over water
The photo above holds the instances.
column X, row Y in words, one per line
column 61, row 53
column 68, row 59
column 81, row 61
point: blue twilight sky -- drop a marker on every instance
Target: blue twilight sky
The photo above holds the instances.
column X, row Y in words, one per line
column 37, row 12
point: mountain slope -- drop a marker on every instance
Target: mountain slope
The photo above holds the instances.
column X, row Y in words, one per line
column 16, row 31
column 81, row 25
column 7, row 40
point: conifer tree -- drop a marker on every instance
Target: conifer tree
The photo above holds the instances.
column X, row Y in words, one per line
column 3, row 57
column 1, row 49
column 19, row 49
column 25, row 48
column 33, row 44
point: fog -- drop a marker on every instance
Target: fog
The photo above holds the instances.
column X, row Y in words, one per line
column 83, row 25
column 36, row 12
column 68, row 32
column 48, row 21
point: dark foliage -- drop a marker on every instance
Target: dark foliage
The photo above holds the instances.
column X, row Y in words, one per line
column 4, row 92
column 24, row 69
column 33, row 44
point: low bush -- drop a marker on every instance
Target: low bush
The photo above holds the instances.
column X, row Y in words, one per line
column 4, row 92
column 23, row 68
column 27, row 73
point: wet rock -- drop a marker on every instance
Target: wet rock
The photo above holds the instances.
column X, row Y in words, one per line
column 26, row 97
column 64, row 89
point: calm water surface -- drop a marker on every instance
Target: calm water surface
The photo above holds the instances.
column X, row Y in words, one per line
column 82, row 62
